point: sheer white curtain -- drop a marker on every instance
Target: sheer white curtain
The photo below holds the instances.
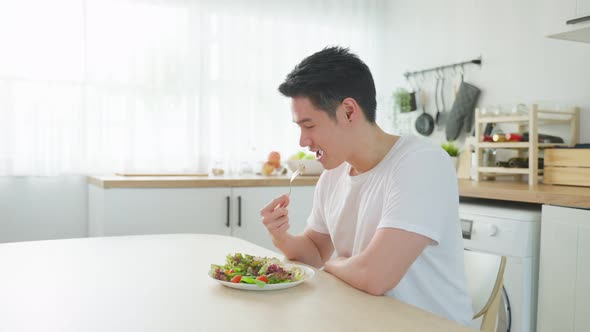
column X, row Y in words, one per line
column 98, row 86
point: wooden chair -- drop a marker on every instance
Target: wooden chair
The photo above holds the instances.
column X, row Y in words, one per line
column 485, row 274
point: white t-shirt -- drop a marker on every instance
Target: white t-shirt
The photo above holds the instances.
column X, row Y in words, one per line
column 413, row 188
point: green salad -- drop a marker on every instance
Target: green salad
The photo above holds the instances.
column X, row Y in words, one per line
column 242, row 268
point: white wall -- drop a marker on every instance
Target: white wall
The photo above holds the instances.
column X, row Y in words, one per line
column 41, row 208
column 519, row 63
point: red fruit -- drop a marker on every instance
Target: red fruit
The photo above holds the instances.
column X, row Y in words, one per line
column 263, row 279
column 274, row 158
column 236, row 279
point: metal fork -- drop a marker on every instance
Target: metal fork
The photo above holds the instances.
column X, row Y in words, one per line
column 299, row 170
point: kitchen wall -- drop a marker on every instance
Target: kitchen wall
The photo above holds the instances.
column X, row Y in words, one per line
column 41, row 208
column 519, row 63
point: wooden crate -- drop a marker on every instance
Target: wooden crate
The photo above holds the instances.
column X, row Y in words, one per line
column 567, row 167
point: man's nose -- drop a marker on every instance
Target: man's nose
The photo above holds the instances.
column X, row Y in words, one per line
column 304, row 141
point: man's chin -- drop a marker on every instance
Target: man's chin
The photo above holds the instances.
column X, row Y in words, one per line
column 329, row 166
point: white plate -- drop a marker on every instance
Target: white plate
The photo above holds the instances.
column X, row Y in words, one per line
column 308, row 274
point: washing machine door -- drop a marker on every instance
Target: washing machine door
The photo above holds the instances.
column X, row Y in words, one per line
column 504, row 321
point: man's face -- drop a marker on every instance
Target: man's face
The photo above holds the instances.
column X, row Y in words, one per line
column 321, row 134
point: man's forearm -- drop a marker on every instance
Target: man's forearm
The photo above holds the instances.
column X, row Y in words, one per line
column 353, row 271
column 299, row 248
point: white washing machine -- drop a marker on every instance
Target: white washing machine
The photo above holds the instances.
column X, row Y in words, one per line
column 512, row 230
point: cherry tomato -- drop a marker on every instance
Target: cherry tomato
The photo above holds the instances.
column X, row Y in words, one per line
column 263, row 279
column 236, row 279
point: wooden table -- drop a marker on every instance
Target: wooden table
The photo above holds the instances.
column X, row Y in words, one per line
column 160, row 283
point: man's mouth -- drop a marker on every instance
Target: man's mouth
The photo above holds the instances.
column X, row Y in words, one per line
column 319, row 154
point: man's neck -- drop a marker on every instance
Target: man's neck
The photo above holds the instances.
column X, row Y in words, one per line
column 371, row 149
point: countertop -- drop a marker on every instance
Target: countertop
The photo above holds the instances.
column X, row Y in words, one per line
column 569, row 196
column 161, row 283
column 499, row 190
column 116, row 181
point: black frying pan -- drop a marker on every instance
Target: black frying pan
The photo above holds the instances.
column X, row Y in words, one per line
column 425, row 122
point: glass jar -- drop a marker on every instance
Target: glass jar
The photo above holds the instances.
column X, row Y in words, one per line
column 489, row 158
column 519, row 109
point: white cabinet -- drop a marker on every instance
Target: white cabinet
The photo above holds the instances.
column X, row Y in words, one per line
column 557, row 12
column 582, row 312
column 572, row 11
column 228, row 211
column 564, row 272
column 582, row 8
column 248, row 225
column 135, row 211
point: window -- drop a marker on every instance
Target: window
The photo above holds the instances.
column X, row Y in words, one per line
column 98, row 86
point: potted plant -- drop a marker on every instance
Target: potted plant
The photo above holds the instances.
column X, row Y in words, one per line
column 403, row 100
column 453, row 152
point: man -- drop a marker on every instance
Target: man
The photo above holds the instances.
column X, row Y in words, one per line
column 386, row 205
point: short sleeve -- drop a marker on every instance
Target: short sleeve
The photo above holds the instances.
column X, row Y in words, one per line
column 421, row 194
column 317, row 220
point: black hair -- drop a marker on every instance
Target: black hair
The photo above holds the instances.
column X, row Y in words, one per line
column 328, row 77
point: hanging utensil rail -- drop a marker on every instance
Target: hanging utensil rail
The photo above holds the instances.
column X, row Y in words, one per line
column 477, row 61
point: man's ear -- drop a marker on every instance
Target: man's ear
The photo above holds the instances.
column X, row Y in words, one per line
column 351, row 109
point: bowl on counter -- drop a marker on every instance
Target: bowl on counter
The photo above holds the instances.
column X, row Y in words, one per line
column 312, row 166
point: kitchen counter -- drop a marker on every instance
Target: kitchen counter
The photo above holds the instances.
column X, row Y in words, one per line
column 569, row 196
column 116, row 181
column 160, row 283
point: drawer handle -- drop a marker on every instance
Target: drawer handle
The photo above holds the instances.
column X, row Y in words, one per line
column 578, row 20
column 239, row 211
column 227, row 212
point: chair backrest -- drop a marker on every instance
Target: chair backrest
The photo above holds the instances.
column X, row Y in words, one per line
column 485, row 274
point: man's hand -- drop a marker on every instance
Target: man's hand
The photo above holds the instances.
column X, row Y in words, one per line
column 311, row 247
column 275, row 217
column 333, row 264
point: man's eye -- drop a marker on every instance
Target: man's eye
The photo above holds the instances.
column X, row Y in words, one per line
column 308, row 127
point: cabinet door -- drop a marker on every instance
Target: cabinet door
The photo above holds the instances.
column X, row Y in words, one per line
column 554, row 15
column 556, row 276
column 564, row 271
column 582, row 321
column 132, row 211
column 583, row 8
column 246, row 212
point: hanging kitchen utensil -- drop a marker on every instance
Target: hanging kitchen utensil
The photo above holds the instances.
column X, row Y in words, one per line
column 444, row 114
column 462, row 111
column 455, row 83
column 441, row 118
column 424, row 123
column 437, row 77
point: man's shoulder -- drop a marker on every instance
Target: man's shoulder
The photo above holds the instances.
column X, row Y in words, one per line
column 412, row 148
column 415, row 143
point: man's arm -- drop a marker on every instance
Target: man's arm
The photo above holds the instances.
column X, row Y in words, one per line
column 311, row 247
column 383, row 263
